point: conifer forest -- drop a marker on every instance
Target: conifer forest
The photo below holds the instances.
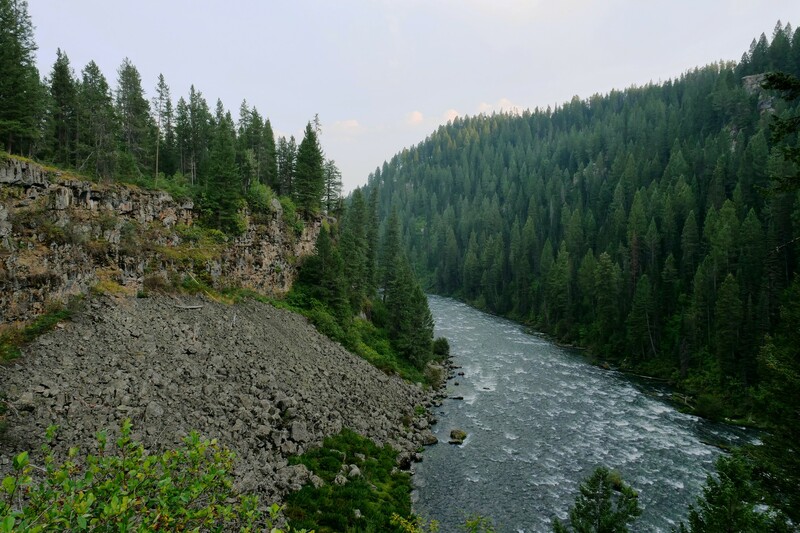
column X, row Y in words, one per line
column 656, row 228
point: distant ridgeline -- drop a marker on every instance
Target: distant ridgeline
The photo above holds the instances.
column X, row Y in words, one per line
column 643, row 224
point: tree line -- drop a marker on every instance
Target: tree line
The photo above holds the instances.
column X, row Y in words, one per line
column 658, row 226
column 79, row 122
column 360, row 288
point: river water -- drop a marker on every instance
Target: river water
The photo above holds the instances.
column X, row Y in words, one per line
column 539, row 420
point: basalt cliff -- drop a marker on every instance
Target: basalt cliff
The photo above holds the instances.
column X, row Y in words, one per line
column 61, row 236
column 261, row 380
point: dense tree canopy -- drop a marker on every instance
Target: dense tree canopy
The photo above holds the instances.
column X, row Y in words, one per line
column 21, row 94
column 658, row 226
column 80, row 123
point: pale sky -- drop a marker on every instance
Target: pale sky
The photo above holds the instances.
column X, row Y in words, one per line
column 383, row 74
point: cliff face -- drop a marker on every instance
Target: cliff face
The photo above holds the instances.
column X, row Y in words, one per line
column 61, row 236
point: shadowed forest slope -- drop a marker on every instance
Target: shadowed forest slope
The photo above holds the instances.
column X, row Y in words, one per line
column 642, row 224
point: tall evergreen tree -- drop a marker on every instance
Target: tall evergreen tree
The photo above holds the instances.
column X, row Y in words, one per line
column 333, row 186
column 63, row 112
column 410, row 321
column 355, row 251
column 199, row 131
column 223, row 190
column 97, row 124
column 165, row 128
column 21, row 101
column 286, row 159
column 309, row 182
column 269, row 158
column 133, row 111
column 389, row 253
column 323, row 273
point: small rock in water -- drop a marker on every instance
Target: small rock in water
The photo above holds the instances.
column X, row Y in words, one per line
column 457, row 436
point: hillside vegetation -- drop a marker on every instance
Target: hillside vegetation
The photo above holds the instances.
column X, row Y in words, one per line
column 658, row 226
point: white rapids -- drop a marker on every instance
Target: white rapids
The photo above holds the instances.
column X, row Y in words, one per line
column 539, row 420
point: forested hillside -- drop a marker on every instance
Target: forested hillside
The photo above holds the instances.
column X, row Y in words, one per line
column 642, row 224
column 658, row 226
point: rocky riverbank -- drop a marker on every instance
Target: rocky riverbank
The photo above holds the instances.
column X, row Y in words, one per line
column 261, row 380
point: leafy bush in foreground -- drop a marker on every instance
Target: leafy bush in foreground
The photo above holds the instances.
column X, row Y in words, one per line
column 122, row 488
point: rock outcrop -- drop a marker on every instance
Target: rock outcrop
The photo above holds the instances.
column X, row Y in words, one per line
column 261, row 380
column 61, row 235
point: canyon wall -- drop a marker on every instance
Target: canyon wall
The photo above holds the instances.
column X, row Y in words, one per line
column 61, row 236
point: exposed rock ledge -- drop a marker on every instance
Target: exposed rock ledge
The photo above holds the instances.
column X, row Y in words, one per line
column 60, row 236
column 261, row 380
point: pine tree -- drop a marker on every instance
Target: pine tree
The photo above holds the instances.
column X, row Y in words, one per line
column 598, row 510
column 199, row 131
column 410, row 321
column 286, row 159
column 309, row 179
column 223, row 191
column 779, row 368
column 21, row 101
column 729, row 502
column 182, row 137
column 165, row 132
column 333, row 186
column 323, row 274
column 641, row 320
column 97, row 124
column 354, row 251
column 268, row 158
column 63, row 113
column 133, row 111
column 390, row 252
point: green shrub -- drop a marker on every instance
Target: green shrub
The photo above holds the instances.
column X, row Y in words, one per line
column 217, row 236
column 259, row 198
column 290, row 217
column 325, row 322
column 189, row 233
column 377, row 493
column 121, row 488
column 710, row 406
column 441, row 348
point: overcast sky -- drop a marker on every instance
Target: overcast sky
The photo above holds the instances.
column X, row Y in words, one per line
column 383, row 74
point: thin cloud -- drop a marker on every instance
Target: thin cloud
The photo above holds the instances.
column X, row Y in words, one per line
column 346, row 130
column 415, row 118
column 349, row 126
column 503, row 105
column 450, row 114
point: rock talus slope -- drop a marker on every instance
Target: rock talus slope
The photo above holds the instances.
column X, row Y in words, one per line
column 261, row 380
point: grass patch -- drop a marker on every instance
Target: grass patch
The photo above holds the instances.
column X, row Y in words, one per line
column 13, row 338
column 365, row 503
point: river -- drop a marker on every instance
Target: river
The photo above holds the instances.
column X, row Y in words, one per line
column 539, row 420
